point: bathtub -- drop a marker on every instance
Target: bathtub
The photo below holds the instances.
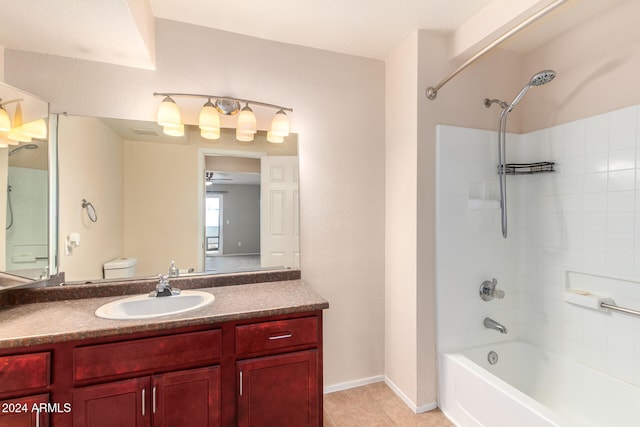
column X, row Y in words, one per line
column 529, row 387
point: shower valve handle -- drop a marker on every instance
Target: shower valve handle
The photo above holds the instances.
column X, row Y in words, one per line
column 489, row 290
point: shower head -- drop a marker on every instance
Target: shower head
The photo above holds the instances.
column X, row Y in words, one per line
column 538, row 79
column 27, row 146
column 543, row 77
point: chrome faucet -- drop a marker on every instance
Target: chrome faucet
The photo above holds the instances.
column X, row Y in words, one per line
column 163, row 288
column 492, row 324
column 489, row 290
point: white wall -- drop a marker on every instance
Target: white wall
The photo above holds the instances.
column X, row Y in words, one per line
column 338, row 103
column 469, row 241
column 585, row 218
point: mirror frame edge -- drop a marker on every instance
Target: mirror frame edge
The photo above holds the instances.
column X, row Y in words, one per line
column 53, row 196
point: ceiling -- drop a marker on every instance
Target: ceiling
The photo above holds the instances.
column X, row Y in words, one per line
column 121, row 31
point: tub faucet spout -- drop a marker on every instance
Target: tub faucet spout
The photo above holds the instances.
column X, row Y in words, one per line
column 492, row 324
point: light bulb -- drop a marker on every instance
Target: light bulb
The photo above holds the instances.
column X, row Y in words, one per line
column 274, row 138
column 17, row 134
column 210, row 134
column 247, row 121
column 5, row 122
column 35, row 129
column 169, row 113
column 174, row 130
column 209, row 119
column 244, row 136
column 280, row 124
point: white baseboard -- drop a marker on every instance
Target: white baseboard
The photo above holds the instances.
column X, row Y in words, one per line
column 355, row 383
column 365, row 381
column 417, row 409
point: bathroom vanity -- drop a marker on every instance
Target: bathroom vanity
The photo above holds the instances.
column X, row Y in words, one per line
column 253, row 357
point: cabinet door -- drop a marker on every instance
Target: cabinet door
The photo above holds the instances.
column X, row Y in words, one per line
column 22, row 412
column 187, row 398
column 122, row 404
column 279, row 391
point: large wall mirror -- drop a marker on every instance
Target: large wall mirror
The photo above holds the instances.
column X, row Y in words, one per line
column 24, row 184
column 132, row 200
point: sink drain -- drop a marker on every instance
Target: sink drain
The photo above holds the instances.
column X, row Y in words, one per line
column 492, row 357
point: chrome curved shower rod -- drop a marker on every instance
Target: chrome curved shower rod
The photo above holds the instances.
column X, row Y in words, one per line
column 432, row 92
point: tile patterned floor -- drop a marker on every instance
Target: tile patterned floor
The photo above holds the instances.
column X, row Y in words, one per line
column 376, row 405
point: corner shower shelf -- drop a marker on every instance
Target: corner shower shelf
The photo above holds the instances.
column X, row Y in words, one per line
column 528, row 168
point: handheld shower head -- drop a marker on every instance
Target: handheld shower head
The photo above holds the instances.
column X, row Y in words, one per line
column 543, row 77
column 23, row 147
column 538, row 79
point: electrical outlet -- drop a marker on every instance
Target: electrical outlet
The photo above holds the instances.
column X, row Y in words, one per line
column 239, row 243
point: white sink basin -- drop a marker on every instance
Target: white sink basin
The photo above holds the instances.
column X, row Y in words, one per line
column 145, row 307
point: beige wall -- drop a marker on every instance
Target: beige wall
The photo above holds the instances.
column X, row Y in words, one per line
column 401, row 221
column 161, row 206
column 598, row 65
column 91, row 168
column 421, row 61
column 338, row 103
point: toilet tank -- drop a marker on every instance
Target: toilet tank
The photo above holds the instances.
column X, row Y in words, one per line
column 120, row 268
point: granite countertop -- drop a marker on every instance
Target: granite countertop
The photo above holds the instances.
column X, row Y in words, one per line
column 57, row 321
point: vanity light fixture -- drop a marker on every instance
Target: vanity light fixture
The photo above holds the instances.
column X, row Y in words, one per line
column 19, row 131
column 174, row 130
column 35, row 129
column 209, row 120
column 169, row 113
column 5, row 122
column 280, row 124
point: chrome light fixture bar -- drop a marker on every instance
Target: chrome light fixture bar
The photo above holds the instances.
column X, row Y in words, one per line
column 209, row 122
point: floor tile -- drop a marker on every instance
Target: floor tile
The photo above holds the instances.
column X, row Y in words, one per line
column 376, row 405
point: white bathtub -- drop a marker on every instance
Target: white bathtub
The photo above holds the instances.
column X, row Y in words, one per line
column 529, row 387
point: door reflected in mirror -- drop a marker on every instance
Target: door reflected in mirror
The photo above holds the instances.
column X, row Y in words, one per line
column 154, row 195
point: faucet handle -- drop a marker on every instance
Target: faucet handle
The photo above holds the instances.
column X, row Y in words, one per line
column 489, row 290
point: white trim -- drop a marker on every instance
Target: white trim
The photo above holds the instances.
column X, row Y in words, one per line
column 416, row 409
column 380, row 378
column 355, row 383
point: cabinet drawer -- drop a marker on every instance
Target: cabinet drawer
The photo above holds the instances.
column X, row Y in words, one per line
column 24, row 372
column 146, row 355
column 275, row 335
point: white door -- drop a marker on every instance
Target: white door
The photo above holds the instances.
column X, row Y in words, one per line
column 279, row 217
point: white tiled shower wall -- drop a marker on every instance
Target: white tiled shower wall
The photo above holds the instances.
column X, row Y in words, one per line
column 585, row 217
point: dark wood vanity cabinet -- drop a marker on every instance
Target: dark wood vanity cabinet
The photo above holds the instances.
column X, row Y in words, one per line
column 21, row 377
column 279, row 391
column 183, row 398
column 253, row 372
column 22, row 412
column 278, row 386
